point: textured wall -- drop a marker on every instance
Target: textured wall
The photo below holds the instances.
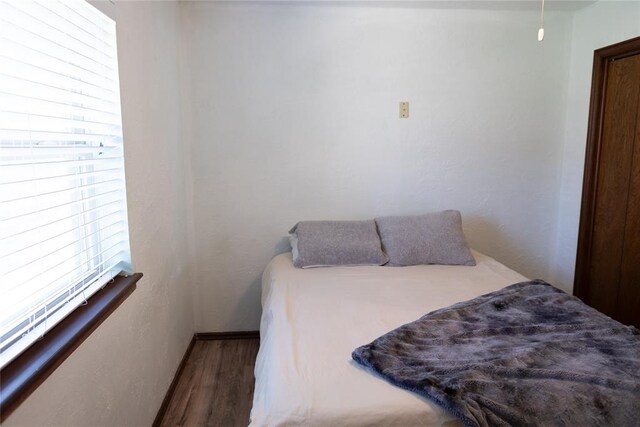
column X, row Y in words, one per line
column 120, row 374
column 599, row 25
column 295, row 116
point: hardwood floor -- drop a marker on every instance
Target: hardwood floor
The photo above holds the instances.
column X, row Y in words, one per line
column 216, row 385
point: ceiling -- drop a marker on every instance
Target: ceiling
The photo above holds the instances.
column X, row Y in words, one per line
column 558, row 5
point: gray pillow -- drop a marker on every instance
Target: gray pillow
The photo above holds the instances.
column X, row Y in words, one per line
column 332, row 243
column 434, row 238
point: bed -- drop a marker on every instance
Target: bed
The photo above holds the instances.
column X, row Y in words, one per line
column 304, row 371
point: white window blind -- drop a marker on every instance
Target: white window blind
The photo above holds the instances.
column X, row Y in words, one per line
column 63, row 215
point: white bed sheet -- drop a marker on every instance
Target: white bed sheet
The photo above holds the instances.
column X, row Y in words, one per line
column 314, row 318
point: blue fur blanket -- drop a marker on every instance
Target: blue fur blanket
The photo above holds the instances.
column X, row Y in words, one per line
column 528, row 354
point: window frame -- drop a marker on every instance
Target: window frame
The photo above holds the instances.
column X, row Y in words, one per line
column 23, row 375
column 27, row 371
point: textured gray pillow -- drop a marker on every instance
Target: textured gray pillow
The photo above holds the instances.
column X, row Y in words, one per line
column 331, row 243
column 434, row 238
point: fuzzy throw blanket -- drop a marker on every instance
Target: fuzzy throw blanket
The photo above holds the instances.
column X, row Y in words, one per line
column 528, row 354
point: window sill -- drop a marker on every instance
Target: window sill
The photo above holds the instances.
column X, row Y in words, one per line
column 25, row 373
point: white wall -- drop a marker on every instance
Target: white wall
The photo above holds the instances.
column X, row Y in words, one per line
column 599, row 25
column 120, row 374
column 295, row 117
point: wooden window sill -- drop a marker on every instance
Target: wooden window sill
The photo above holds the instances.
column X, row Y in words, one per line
column 26, row 372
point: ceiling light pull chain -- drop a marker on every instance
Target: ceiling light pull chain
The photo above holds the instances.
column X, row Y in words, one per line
column 541, row 30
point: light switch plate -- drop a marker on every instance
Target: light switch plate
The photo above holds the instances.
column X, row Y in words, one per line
column 404, row 109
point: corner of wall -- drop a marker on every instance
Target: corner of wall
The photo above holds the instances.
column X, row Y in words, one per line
column 186, row 120
column 555, row 274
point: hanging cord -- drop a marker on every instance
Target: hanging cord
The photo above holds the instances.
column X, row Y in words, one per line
column 541, row 30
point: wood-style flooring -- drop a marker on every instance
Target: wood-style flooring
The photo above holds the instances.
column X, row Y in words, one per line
column 216, row 385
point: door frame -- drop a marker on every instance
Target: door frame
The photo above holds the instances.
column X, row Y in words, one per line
column 601, row 59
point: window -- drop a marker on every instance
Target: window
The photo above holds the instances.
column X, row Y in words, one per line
column 63, row 216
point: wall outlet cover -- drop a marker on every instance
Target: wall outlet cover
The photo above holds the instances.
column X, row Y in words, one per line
column 404, row 109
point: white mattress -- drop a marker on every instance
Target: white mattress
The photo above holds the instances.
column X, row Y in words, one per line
column 314, row 318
